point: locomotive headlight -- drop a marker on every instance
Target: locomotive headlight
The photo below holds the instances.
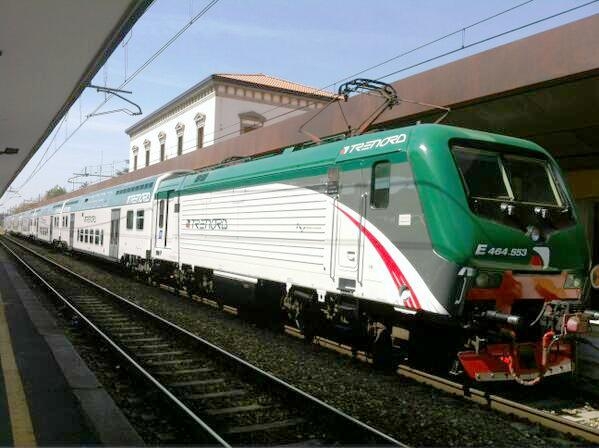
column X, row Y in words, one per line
column 488, row 280
column 482, row 280
column 573, row 281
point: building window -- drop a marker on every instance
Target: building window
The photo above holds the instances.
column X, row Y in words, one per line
column 97, row 239
column 162, row 141
column 102, row 237
column 147, row 148
column 249, row 121
column 200, row 120
column 140, row 220
column 200, row 138
column 134, row 151
column 179, row 129
column 86, row 238
column 130, row 219
column 381, row 181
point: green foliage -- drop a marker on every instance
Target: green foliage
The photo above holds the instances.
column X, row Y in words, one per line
column 56, row 190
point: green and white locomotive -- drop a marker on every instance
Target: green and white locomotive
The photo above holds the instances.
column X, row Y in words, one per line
column 468, row 240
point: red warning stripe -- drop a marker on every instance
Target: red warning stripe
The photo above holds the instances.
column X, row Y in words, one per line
column 398, row 278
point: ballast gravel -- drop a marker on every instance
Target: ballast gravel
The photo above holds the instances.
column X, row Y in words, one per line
column 412, row 413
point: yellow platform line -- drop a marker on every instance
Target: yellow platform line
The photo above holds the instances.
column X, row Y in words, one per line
column 20, row 420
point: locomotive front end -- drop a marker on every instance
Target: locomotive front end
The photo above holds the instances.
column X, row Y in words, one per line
column 521, row 254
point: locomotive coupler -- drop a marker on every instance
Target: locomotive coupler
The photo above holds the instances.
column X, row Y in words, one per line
column 496, row 316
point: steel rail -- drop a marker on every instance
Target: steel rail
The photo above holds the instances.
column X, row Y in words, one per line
column 229, row 356
column 503, row 405
column 120, row 351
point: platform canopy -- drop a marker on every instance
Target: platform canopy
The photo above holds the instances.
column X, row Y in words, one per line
column 49, row 51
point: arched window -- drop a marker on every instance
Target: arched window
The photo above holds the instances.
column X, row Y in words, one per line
column 249, row 121
column 200, row 120
column 147, row 148
column 134, row 151
column 162, row 141
column 179, row 130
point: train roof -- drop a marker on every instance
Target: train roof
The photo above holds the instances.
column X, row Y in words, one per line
column 111, row 197
column 315, row 160
column 291, row 162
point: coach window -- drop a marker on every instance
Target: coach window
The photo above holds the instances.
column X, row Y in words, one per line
column 86, row 235
column 130, row 219
column 97, row 238
column 161, row 214
column 102, row 237
column 140, row 220
column 381, row 180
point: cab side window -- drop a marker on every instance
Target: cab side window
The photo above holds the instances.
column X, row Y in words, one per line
column 380, row 184
column 140, row 220
column 130, row 219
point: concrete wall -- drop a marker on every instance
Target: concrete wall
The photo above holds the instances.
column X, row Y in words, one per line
column 228, row 110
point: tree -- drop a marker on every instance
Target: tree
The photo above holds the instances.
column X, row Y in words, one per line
column 56, row 190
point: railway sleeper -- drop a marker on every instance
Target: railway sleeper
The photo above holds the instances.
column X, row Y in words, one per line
column 171, row 362
column 195, row 383
column 217, row 395
column 148, row 339
column 227, row 412
column 160, row 354
column 266, row 427
column 148, row 346
column 174, row 372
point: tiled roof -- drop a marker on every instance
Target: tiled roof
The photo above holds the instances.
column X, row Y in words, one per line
column 262, row 80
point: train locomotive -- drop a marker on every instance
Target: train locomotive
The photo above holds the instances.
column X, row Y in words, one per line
column 469, row 241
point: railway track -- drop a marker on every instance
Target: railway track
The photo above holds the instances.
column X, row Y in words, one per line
column 224, row 399
column 564, row 413
column 547, row 407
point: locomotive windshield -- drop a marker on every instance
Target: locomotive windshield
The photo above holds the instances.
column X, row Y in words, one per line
column 504, row 177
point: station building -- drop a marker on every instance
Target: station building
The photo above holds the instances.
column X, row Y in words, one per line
column 218, row 108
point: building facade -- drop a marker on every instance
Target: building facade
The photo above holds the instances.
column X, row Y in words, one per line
column 221, row 106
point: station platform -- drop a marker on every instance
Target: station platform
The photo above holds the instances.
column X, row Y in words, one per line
column 48, row 396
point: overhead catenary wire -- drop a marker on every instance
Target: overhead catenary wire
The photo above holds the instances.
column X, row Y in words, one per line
column 398, row 56
column 462, row 47
column 394, row 58
column 486, row 39
column 155, row 55
column 287, row 112
column 323, row 89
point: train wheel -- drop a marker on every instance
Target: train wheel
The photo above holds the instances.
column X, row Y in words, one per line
column 308, row 322
column 382, row 350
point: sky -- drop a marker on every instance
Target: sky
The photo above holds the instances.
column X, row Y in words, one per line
column 313, row 42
